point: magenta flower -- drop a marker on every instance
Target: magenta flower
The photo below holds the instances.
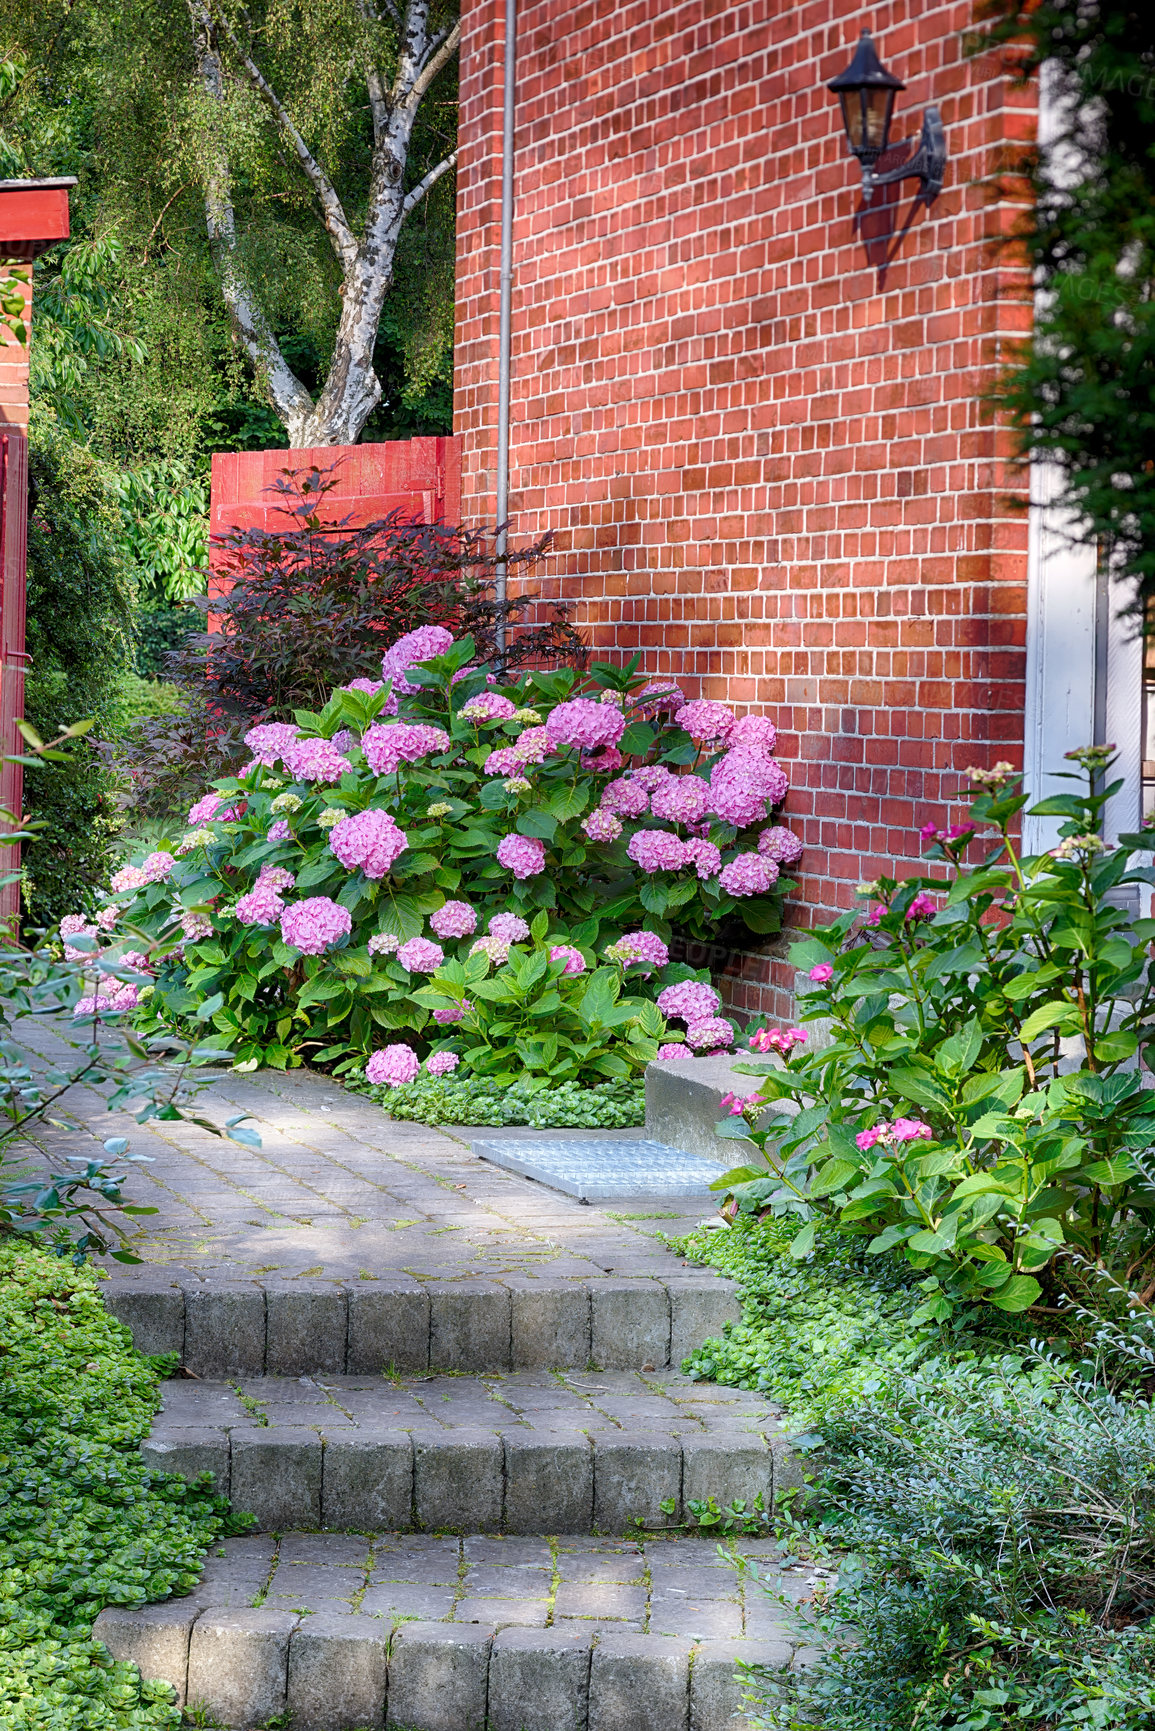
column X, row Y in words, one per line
column 651, row 776
column 367, row 839
column 453, row 1013
column 757, row 732
column 603, row 762
column 510, row 928
column 910, row 1130
column 923, row 907
column 656, row 850
column 602, row 825
column 523, row 855
column 743, row 784
column 868, row 1139
column 421, row 956
column 575, row 962
column 778, row 1040
column 704, row 857
column 532, row 746
column 441, row 1063
column 586, row 724
column 424, row 644
column 780, row 844
column 369, row 686
column 269, row 743
column 454, row 920
column 315, row 760
column 681, row 799
column 646, row 947
column 314, row 925
column 387, row 745
column 206, row 808
column 689, row 1000
column 392, row 1066
column 504, row 761
column 704, row 720
column 748, row 875
column 626, row 797
column 489, row 706
column 709, row 1035
column 279, row 831
column 263, row 906
column 670, row 1051
column 821, row 973
column 661, row 694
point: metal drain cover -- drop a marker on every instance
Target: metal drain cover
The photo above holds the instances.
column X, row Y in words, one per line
column 593, row 1171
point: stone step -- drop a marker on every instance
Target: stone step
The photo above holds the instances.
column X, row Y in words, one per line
column 356, row 1632
column 299, row 1326
column 574, row 1451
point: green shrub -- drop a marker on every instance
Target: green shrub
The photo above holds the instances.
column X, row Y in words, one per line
column 78, row 639
column 83, row 1522
column 979, row 1109
column 476, row 1100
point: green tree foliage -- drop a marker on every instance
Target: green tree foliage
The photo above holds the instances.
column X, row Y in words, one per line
column 1082, row 388
column 79, row 631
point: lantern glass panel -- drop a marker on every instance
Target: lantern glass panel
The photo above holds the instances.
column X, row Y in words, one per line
column 878, row 103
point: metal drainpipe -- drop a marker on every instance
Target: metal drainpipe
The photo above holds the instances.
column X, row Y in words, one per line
column 504, row 326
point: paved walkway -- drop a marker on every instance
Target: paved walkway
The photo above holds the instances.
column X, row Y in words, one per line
column 339, row 1190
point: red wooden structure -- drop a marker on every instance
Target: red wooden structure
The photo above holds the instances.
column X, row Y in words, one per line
column 33, row 215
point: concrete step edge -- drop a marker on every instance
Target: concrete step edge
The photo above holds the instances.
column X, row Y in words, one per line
column 303, row 1327
column 353, row 1673
column 470, row 1480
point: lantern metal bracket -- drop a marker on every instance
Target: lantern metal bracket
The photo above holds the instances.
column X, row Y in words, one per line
column 927, row 165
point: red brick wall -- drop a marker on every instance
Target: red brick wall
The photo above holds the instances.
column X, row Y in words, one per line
column 754, row 422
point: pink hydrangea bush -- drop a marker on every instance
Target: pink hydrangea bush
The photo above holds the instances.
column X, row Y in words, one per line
column 447, row 809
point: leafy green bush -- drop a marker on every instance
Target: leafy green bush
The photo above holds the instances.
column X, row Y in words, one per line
column 79, row 637
column 477, row 1100
column 83, row 1522
column 979, row 1108
column 526, row 800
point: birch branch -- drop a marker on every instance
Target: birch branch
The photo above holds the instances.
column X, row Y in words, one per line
column 412, row 199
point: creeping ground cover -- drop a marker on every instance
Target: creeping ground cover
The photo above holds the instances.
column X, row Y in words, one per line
column 457, row 870
column 83, row 1523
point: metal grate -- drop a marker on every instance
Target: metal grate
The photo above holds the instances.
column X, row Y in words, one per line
column 599, row 1170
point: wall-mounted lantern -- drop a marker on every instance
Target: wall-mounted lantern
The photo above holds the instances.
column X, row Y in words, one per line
column 866, row 91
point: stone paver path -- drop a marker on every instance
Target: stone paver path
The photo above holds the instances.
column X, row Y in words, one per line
column 338, row 1190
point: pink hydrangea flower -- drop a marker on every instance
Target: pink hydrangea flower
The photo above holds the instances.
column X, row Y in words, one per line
column 454, row 920
column 369, row 686
column 523, row 855
column 602, row 825
column 510, row 928
column 129, row 877
column 748, row 875
column 708, row 1036
column 781, row 844
column 369, row 840
column 652, row 776
column 756, row 731
column 75, row 926
column 388, row 745
column 644, row 947
column 690, row 1000
column 158, row 866
column 682, row 799
column 268, row 744
column 279, row 831
column 277, row 876
column 263, row 905
column 117, row 996
column 586, row 724
column 383, row 944
column 424, row 644
column 704, row 720
column 704, row 857
column 441, row 1063
column 532, row 746
column 661, row 694
column 392, row 1066
column 497, row 949
column 205, row 808
column 314, row 925
column 821, row 972
column 603, row 762
column 575, row 962
column 195, row 927
column 743, row 784
column 626, row 796
column 105, row 919
column 421, row 956
column 670, row 1050
column 453, row 1013
column 504, row 761
column 656, row 850
column 488, row 706
column 315, row 760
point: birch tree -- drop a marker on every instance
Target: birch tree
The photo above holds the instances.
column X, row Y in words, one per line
column 391, row 56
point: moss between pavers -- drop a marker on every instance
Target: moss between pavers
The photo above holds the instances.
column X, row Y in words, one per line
column 83, row 1523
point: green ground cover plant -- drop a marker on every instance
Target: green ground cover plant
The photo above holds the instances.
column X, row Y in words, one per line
column 476, row 1100
column 83, row 1523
